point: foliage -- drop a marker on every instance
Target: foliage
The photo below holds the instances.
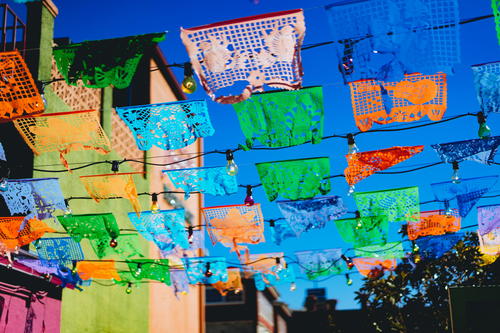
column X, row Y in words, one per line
column 414, row 298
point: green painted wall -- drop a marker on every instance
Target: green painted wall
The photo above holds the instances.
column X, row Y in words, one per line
column 98, row 308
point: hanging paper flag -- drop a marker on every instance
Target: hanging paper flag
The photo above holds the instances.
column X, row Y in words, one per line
column 113, row 185
column 318, row 263
column 127, row 246
column 208, row 180
column 277, row 276
column 262, row 49
column 433, row 223
column 364, row 231
column 101, row 63
column 488, row 218
column 295, row 179
column 205, row 270
column 235, row 225
column 487, row 82
column 384, row 39
column 388, row 251
column 398, row 101
column 2, row 153
column 305, row 215
column 58, row 251
column 39, row 197
column 264, row 263
column 362, row 165
column 398, row 205
column 152, row 269
column 37, row 266
column 180, row 281
column 466, row 194
column 64, row 132
column 478, row 150
column 97, row 270
column 489, row 243
column 18, row 92
column 15, row 232
column 167, row 125
column 196, row 242
column 487, row 259
column 282, row 119
column 90, row 226
column 166, row 228
column 280, row 231
column 434, row 247
column 366, row 265
column 495, row 4
column 233, row 283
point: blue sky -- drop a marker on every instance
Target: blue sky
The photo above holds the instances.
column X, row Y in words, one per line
column 91, row 19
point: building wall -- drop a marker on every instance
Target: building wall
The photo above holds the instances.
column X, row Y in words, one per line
column 265, row 314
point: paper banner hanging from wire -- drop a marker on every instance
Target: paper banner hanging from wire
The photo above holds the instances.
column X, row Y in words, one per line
column 295, row 179
column 487, row 259
column 319, row 263
column 392, row 250
column 487, row 82
column 478, row 150
column 489, row 243
column 196, row 242
column 2, row 153
column 40, row 197
column 305, row 215
column 207, row 180
column 16, row 232
column 169, row 126
column 90, row 226
column 235, row 225
column 36, row 265
column 63, row 251
column 398, row 205
column 495, row 4
column 152, row 269
column 433, row 223
column 282, row 119
column 205, row 270
column 97, row 270
column 488, row 218
column 180, row 283
column 281, row 230
column 465, row 194
column 398, row 101
column 166, row 228
column 64, row 132
column 263, row 49
column 233, row 283
column 263, row 262
column 276, row 277
column 113, row 185
column 434, row 247
column 384, row 39
column 102, row 63
column 127, row 246
column 366, row 266
column 364, row 164
column 363, row 231
column 18, row 92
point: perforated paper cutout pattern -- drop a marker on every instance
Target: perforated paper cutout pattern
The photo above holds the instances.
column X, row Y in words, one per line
column 90, row 226
column 233, row 282
column 64, row 132
column 14, row 233
column 364, row 231
column 321, row 262
column 398, row 205
column 18, row 93
column 113, row 185
column 104, row 270
column 366, row 265
column 487, row 82
column 405, row 101
column 384, row 39
column 58, row 251
column 100, row 63
column 281, row 231
column 263, row 49
column 388, row 251
column 166, row 228
column 490, row 242
column 284, row 118
column 495, row 4
column 197, row 267
column 465, row 194
column 167, row 125
column 434, row 222
column 478, row 150
column 364, row 164
column 276, row 277
column 305, row 215
column 262, row 263
column 210, row 180
column 488, row 218
column 434, row 247
column 128, row 246
column 295, row 179
column 234, row 225
column 152, row 269
column 180, row 283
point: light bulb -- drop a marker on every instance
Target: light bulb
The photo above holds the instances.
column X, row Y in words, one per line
column 348, row 261
column 4, row 185
column 293, row 286
column 189, row 85
column 455, row 177
column 129, row 289
column 359, row 225
column 68, row 210
column 190, row 235
column 113, row 243
column 416, row 258
column 279, row 266
column 351, row 190
column 351, row 144
column 231, row 167
column 154, row 203
column 415, row 247
column 249, row 199
column 484, row 130
column 348, row 280
column 139, row 270
column 237, row 291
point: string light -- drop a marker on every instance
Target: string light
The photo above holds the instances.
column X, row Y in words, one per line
column 348, row 280
column 113, row 243
column 231, row 167
column 129, row 288
column 208, row 272
column 484, row 130
column 4, row 175
column 249, row 199
column 188, row 83
column 139, row 269
column 351, row 144
column 115, row 166
column 455, row 177
column 279, row 265
column 67, row 211
column 348, row 261
column 190, row 234
column 293, row 286
column 154, row 203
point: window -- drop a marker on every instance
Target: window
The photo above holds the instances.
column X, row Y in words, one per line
column 213, row 296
